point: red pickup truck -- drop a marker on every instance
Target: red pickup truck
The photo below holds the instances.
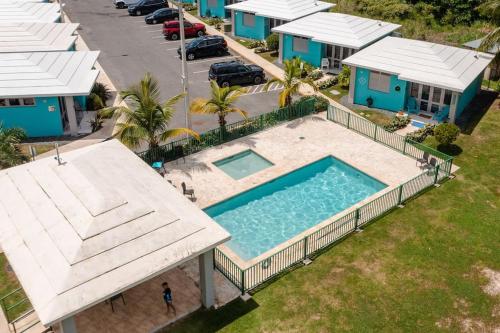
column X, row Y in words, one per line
column 171, row 29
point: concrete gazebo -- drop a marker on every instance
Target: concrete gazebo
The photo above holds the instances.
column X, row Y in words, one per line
column 95, row 224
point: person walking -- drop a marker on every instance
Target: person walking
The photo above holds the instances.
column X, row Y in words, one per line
column 167, row 297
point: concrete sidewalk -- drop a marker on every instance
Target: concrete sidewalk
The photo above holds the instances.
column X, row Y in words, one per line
column 251, row 56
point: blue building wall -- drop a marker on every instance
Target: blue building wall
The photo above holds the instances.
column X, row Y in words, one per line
column 36, row 120
column 313, row 56
column 392, row 101
column 468, row 94
column 82, row 100
column 260, row 31
column 210, row 11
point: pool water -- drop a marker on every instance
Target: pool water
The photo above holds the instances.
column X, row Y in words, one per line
column 418, row 124
column 268, row 215
column 243, row 164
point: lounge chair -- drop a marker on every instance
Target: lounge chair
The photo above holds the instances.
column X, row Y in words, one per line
column 412, row 106
column 431, row 165
column 187, row 191
column 442, row 115
column 424, row 159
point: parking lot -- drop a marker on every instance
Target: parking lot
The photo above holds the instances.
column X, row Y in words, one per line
column 129, row 48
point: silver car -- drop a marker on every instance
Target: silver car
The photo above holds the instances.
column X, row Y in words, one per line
column 124, row 3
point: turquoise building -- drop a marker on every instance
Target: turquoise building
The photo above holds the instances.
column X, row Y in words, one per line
column 325, row 39
column 212, row 8
column 254, row 19
column 433, row 81
column 48, row 95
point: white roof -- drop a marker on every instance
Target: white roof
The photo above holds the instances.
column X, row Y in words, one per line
column 19, row 1
column 36, row 37
column 281, row 9
column 338, row 29
column 29, row 12
column 104, row 221
column 423, row 62
column 40, row 74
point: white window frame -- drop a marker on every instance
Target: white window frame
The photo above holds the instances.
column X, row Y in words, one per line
column 21, row 102
column 379, row 81
column 245, row 19
column 302, row 47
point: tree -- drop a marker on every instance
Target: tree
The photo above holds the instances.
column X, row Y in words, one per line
column 446, row 133
column 291, row 81
column 10, row 153
column 148, row 119
column 221, row 103
column 273, row 42
column 344, row 77
column 492, row 42
column 98, row 97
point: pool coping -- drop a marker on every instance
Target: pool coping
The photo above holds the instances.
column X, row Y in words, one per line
column 244, row 264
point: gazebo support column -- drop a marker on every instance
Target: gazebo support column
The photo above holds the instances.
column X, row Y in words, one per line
column 453, row 106
column 68, row 325
column 206, row 262
column 70, row 109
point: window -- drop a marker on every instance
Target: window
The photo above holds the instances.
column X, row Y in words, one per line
column 414, row 90
column 28, row 101
column 249, row 20
column 212, row 3
column 447, row 97
column 379, row 81
column 300, row 44
column 3, row 102
column 426, row 90
column 14, row 101
column 17, row 102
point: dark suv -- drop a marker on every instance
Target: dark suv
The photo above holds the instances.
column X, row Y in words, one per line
column 162, row 15
column 204, row 47
column 146, row 6
column 235, row 73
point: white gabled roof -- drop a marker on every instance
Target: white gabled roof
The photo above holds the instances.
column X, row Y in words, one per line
column 36, row 37
column 428, row 63
column 20, row 1
column 281, row 9
column 40, row 74
column 29, row 12
column 100, row 223
column 338, row 29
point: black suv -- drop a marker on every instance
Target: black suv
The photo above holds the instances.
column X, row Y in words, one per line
column 205, row 46
column 146, row 6
column 162, row 15
column 235, row 73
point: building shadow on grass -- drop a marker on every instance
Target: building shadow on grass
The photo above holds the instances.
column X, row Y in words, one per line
column 473, row 114
column 211, row 320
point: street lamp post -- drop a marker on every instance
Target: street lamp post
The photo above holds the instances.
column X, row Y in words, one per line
column 184, row 72
column 61, row 6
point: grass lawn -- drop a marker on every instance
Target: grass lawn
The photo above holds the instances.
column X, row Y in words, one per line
column 8, row 283
column 40, row 148
column 342, row 91
column 270, row 56
column 492, row 84
column 376, row 117
column 418, row 269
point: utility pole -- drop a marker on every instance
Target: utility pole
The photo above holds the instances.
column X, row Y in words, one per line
column 184, row 72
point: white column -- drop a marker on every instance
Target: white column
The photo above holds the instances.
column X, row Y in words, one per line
column 453, row 106
column 206, row 262
column 70, row 109
column 68, row 325
column 232, row 22
column 280, row 55
column 352, row 84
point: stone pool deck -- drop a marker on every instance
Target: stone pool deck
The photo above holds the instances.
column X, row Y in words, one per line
column 289, row 146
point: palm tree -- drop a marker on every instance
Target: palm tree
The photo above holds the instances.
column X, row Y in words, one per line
column 221, row 103
column 10, row 154
column 291, row 81
column 148, row 119
column 492, row 42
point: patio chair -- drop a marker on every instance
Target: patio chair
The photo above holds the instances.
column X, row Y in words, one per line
column 325, row 64
column 442, row 114
column 412, row 106
column 424, row 159
column 114, row 298
column 187, row 191
column 431, row 165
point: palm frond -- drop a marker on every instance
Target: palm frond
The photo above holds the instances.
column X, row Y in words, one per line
column 174, row 132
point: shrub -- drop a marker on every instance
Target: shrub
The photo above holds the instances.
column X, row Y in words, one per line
column 273, row 42
column 99, row 95
column 421, row 134
column 189, row 7
column 446, row 133
column 260, row 49
column 255, row 43
column 215, row 21
column 307, row 68
column 320, row 103
column 328, row 83
column 316, row 74
column 397, row 123
column 344, row 77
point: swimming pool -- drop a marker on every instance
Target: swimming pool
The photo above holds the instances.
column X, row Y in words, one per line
column 243, row 164
column 270, row 214
column 418, row 124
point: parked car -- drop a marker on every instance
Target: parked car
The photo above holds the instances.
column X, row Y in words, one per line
column 146, row 6
column 124, row 3
column 172, row 31
column 162, row 15
column 205, row 46
column 230, row 73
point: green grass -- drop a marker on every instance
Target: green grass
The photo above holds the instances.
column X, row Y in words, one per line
column 418, row 269
column 270, row 56
column 8, row 283
column 374, row 116
column 492, row 84
column 342, row 91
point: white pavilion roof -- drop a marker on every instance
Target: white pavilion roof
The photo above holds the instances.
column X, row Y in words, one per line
column 40, row 74
column 100, row 223
column 29, row 12
column 338, row 29
column 36, row 37
column 281, row 9
column 428, row 63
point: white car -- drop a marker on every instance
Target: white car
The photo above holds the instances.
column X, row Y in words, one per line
column 124, row 3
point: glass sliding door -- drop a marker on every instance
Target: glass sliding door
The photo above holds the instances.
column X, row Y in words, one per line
column 430, row 99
